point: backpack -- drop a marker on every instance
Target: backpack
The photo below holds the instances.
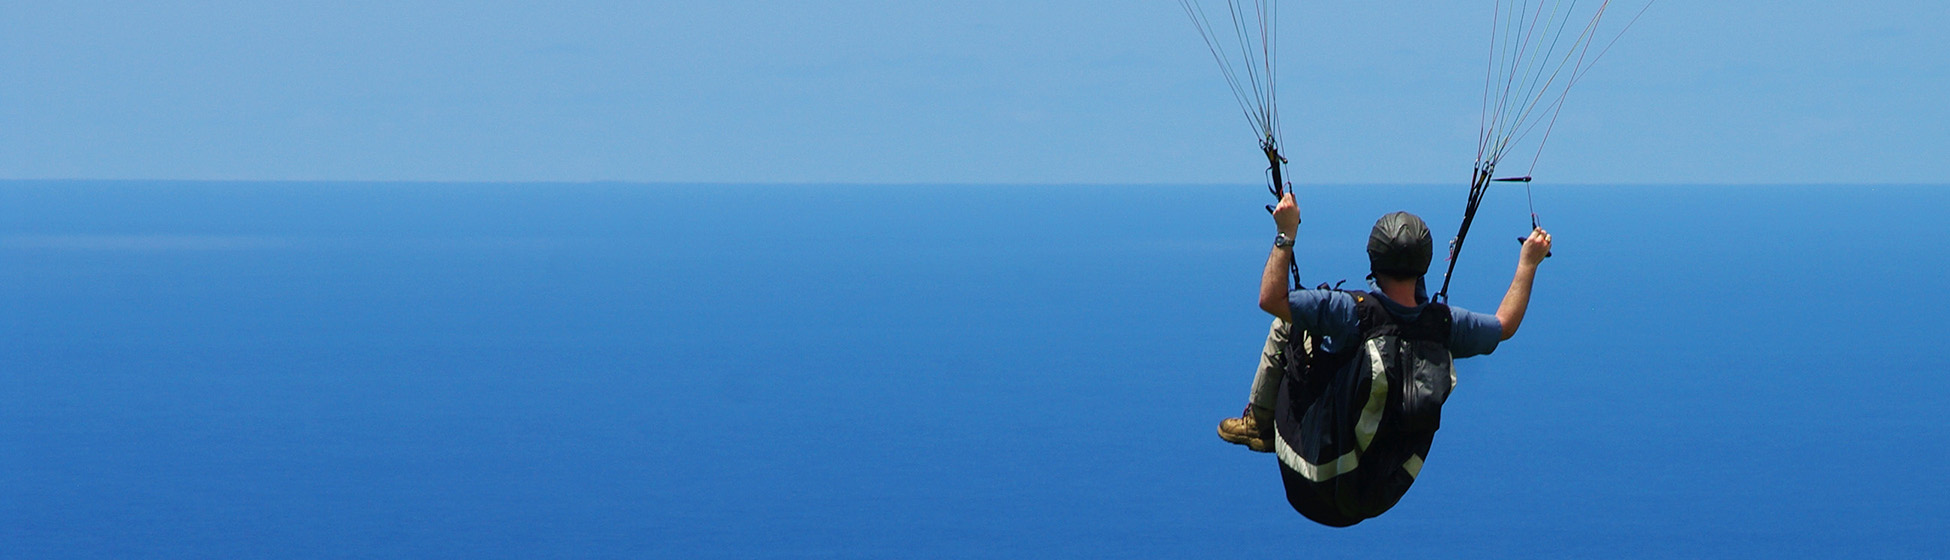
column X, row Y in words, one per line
column 1352, row 428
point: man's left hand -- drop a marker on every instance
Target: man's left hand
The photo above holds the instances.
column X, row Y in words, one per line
column 1286, row 216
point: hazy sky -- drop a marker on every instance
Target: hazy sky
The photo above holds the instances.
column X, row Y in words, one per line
column 1729, row 91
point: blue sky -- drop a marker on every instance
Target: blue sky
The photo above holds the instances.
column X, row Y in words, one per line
column 935, row 92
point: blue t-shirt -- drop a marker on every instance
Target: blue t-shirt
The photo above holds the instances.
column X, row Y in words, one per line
column 1330, row 314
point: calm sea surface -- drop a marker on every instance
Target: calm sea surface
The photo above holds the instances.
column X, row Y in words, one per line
column 316, row 370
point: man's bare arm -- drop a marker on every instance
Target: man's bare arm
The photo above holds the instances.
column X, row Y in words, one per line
column 1272, row 283
column 1517, row 300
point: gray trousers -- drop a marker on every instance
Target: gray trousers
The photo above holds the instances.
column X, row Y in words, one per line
column 1272, row 368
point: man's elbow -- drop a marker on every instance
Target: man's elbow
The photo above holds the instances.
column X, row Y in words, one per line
column 1276, row 307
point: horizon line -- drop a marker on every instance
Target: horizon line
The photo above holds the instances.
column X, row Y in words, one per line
column 926, row 184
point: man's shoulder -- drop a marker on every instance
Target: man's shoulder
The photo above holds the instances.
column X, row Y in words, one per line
column 1328, row 312
column 1325, row 297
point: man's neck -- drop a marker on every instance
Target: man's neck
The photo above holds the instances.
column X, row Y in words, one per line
column 1402, row 292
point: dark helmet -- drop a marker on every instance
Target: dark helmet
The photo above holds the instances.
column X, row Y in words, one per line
column 1399, row 246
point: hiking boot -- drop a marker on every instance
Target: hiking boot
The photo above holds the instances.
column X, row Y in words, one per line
column 1249, row 429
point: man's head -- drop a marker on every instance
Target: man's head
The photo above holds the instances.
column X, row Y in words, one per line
column 1399, row 247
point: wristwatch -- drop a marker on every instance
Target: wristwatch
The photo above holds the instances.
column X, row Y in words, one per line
column 1281, row 241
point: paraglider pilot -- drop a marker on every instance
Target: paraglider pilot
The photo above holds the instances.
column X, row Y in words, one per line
column 1350, row 384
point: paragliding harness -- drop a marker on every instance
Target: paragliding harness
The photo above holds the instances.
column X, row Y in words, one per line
column 1354, row 426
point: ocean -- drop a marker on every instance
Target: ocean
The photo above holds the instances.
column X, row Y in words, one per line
column 413, row 370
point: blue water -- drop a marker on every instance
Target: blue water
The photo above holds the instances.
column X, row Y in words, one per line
column 206, row 370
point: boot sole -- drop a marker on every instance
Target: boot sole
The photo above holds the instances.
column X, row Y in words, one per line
column 1253, row 443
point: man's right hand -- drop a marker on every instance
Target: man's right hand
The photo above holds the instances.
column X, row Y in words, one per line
column 1286, row 216
column 1535, row 247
